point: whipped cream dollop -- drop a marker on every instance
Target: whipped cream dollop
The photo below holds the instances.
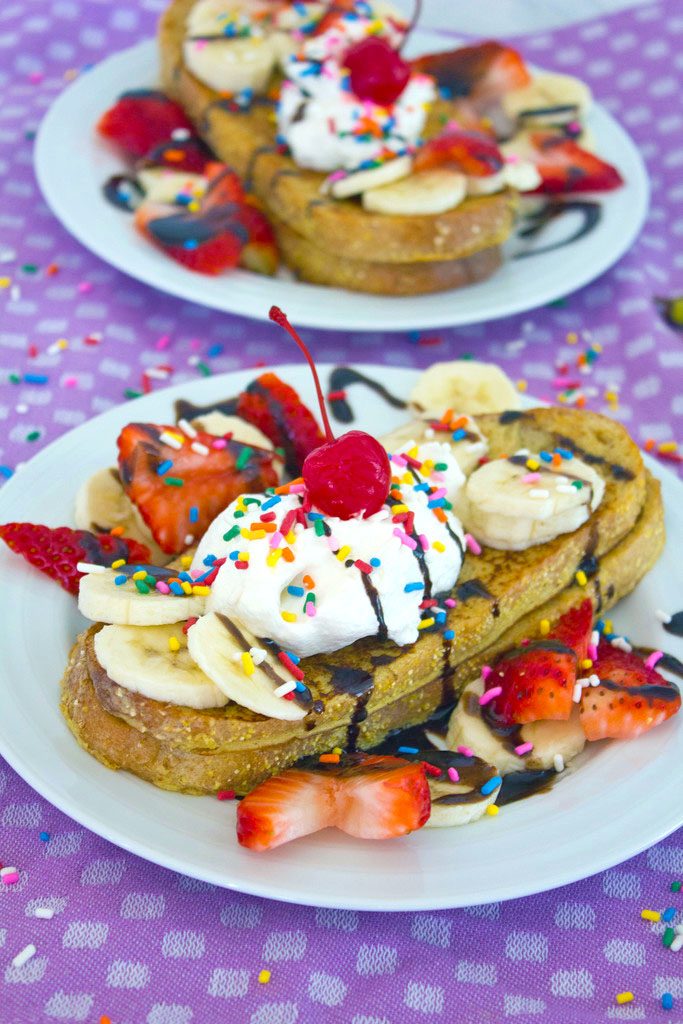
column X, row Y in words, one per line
column 315, row 583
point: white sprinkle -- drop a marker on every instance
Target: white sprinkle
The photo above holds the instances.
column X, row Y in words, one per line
column 180, row 134
column 522, row 451
column 429, row 433
column 558, row 763
column 565, row 489
column 237, row 656
column 539, row 492
column 189, row 538
column 284, row 689
column 15, row 292
column 678, row 928
column 199, row 448
column 663, row 616
column 7, row 871
column 25, row 955
column 594, row 680
column 171, row 440
column 560, row 479
column 156, row 373
column 193, row 360
column 622, row 644
column 46, row 913
column 595, row 638
column 676, row 944
column 578, row 690
column 89, row 567
column 187, row 428
column 258, row 655
column 21, row 408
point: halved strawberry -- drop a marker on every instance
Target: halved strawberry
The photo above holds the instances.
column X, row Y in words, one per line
column 565, row 167
column 223, row 186
column 56, row 551
column 191, row 155
column 141, row 119
column 371, row 797
column 482, row 73
column 260, row 254
column 471, row 152
column 631, row 698
column 538, row 681
column 276, row 409
column 196, row 481
column 338, row 10
column 208, row 242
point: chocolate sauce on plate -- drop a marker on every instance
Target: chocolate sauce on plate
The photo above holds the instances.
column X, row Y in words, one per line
column 341, row 378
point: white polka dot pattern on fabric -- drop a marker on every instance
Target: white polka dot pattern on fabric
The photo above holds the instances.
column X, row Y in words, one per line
column 431, row 929
column 128, row 974
column 337, row 920
column 376, row 959
column 285, row 946
column 141, row 906
column 169, row 1013
column 275, row 1013
column 85, row 935
column 186, row 945
column 517, row 1006
column 575, row 915
column 326, row 989
column 103, row 872
column 576, row 983
column 228, row 983
column 621, row 951
column 241, row 915
column 526, row 946
column 426, row 999
column 64, row 1006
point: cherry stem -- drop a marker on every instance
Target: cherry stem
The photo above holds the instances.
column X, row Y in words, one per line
column 417, row 14
column 280, row 318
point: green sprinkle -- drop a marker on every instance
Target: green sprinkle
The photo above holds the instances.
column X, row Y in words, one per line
column 309, row 598
column 173, row 481
column 668, row 937
column 281, row 452
column 578, row 484
column 14, row 378
column 270, row 490
column 205, row 370
column 232, row 532
column 243, row 458
column 132, row 393
column 319, row 527
column 447, row 504
column 238, row 515
column 440, row 467
column 142, row 586
column 467, row 355
column 33, row 436
column 675, row 886
column 251, row 501
column 30, row 268
column 150, row 581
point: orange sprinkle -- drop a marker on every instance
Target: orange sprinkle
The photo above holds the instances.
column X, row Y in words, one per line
column 447, row 416
column 457, row 424
column 649, row 444
column 329, row 758
column 557, row 459
column 52, row 269
column 285, row 487
column 580, row 401
column 308, row 582
column 258, row 527
column 174, row 155
column 440, row 514
column 116, row 531
column 288, row 554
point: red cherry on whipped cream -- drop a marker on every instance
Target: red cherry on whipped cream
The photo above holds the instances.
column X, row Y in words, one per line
column 346, row 476
column 378, row 72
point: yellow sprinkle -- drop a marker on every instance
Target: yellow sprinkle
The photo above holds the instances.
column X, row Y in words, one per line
column 581, row 578
column 572, row 337
column 492, row 809
column 118, row 563
column 5, row 282
column 248, row 663
column 193, row 206
column 62, row 343
column 439, row 545
column 532, row 464
column 650, row 915
column 173, row 644
column 336, row 750
column 201, row 591
column 427, row 467
column 288, row 616
column 273, row 556
column 398, row 509
column 290, row 537
column 263, row 977
column 587, row 663
column 668, row 446
column 186, row 561
column 562, row 398
column 140, row 575
column 596, row 346
column 344, row 553
column 187, row 587
column 544, row 627
column 243, row 556
column 609, row 628
column 412, row 452
column 407, row 479
column 624, row 997
column 426, row 623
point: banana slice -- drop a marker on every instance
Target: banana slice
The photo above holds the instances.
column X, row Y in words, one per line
column 163, row 185
column 514, row 503
column 361, row 181
column 467, row 443
column 468, row 728
column 219, row 53
column 427, row 192
column 217, row 645
column 549, row 99
column 466, row 385
column 518, row 174
column 101, row 600
column 218, row 424
column 459, row 800
column 102, row 504
column 154, row 661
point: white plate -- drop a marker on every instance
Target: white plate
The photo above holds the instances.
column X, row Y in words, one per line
column 72, row 165
column 622, row 797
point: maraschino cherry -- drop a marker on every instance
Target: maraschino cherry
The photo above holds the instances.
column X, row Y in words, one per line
column 378, row 72
column 346, row 476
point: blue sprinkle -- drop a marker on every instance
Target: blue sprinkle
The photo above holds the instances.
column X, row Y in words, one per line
column 234, row 556
column 209, row 560
column 375, row 563
column 667, row 1001
column 424, row 486
column 669, row 914
column 6, row 472
column 410, row 587
column 120, row 580
column 36, row 378
column 408, row 750
column 164, row 467
column 313, row 516
column 294, row 658
column 437, row 503
column 204, row 576
column 185, row 576
column 295, row 591
column 440, row 618
column 176, row 589
column 459, row 434
column 275, row 500
column 45, row 836
column 546, row 456
column 182, row 200
column 449, row 634
column 600, row 625
column 194, row 514
column 191, row 244
column 565, row 453
column 215, row 350
column 299, row 686
column 492, row 784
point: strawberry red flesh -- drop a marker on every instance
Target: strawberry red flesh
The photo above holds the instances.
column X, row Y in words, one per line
column 471, row 152
column 207, row 242
column 278, row 412
column 631, row 699
column 565, row 167
column 223, row 186
column 209, row 482
column 191, row 156
column 56, row 551
column 141, row 119
column 574, row 628
column 482, row 73
column 368, row 796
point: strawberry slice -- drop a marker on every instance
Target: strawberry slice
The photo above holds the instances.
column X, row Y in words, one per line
column 482, row 73
column 260, row 254
column 208, row 242
column 631, row 698
column 223, row 186
column 141, row 119
column 471, row 152
column 56, row 551
column 191, row 155
column 180, row 491
column 276, row 409
column 537, row 681
column 565, row 167
column 371, row 797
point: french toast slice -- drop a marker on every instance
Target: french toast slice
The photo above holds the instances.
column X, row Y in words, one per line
column 370, row 688
column 246, row 141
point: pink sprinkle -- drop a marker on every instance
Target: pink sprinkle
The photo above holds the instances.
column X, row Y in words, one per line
column 438, row 478
column 11, row 878
column 531, row 478
column 276, row 539
column 297, row 488
column 592, row 652
column 310, row 609
column 333, row 544
column 490, row 695
column 83, row 287
column 523, row 748
column 450, row 602
column 162, row 587
column 195, row 344
column 405, row 539
column 424, row 542
column 486, row 671
column 399, row 460
column 472, row 544
column 453, row 775
column 219, row 443
column 466, row 751
column 336, row 176
column 435, row 495
column 70, row 382
column 163, row 342
column 653, row 659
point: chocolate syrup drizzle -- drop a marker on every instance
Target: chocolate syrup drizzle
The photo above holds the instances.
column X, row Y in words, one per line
column 675, row 625
column 534, row 223
column 341, row 378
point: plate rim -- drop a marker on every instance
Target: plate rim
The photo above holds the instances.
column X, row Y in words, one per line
column 113, row 833
column 378, row 312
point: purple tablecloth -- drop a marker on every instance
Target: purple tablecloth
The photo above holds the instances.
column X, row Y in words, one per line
column 134, row 943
